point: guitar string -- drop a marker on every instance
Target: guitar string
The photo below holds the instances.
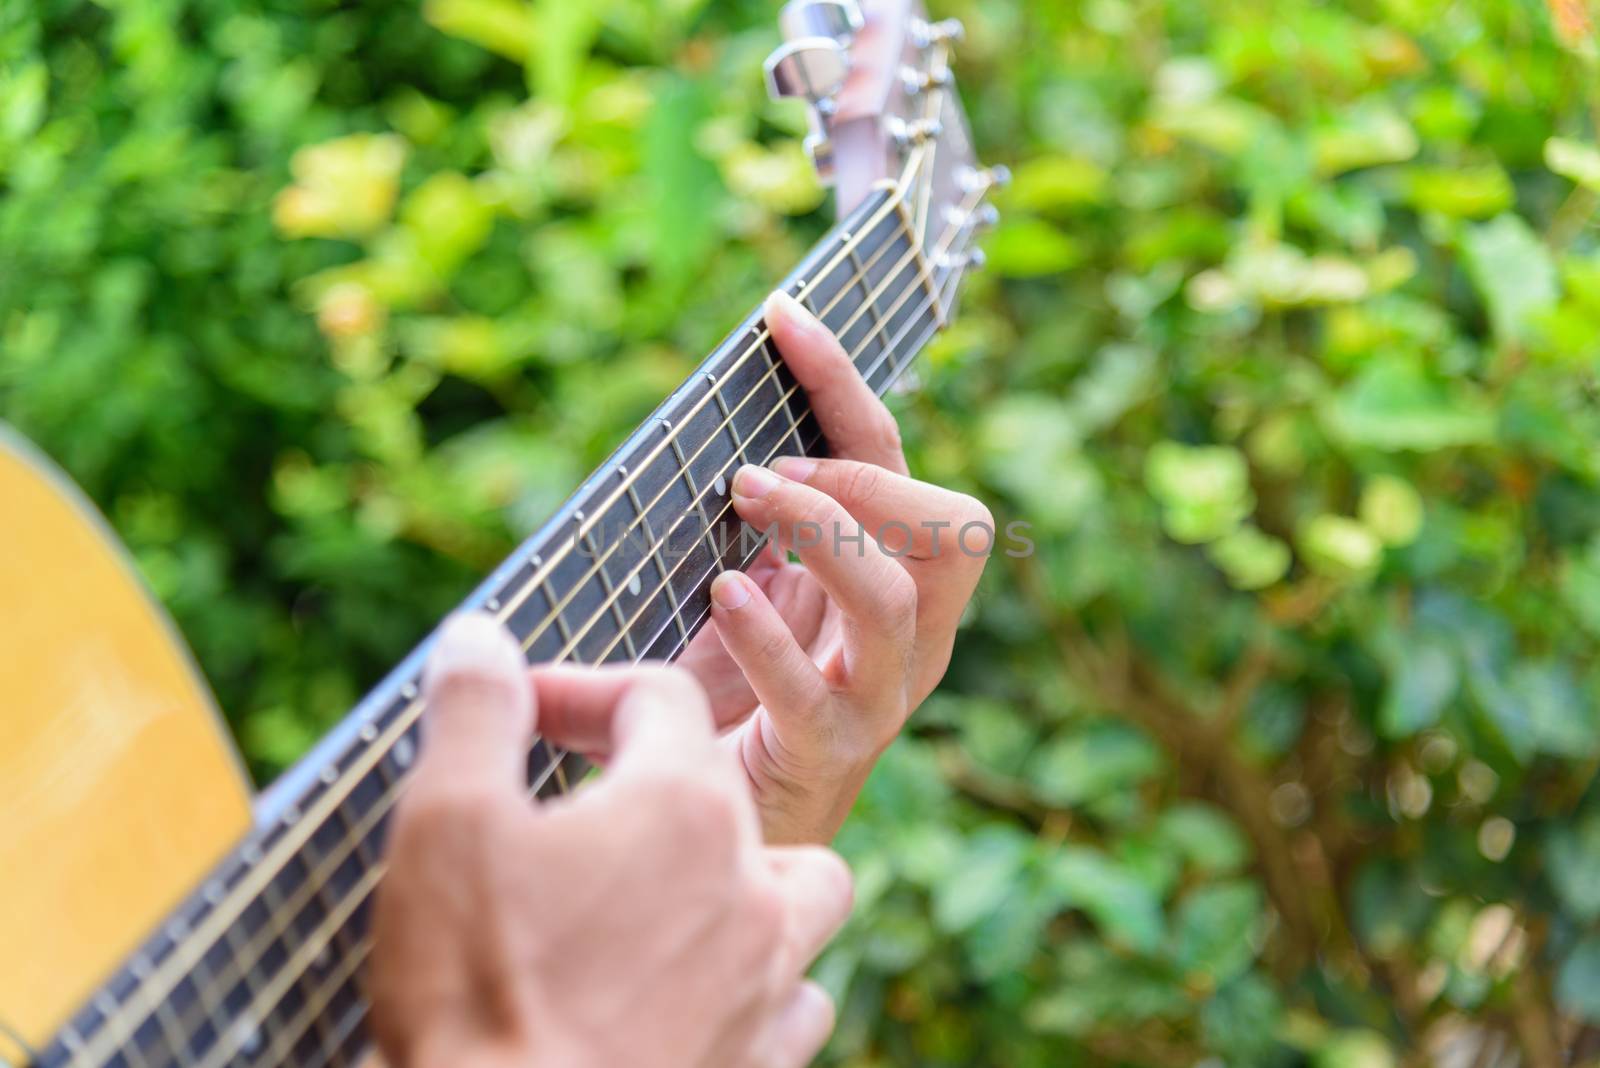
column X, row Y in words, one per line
column 317, row 1003
column 685, row 464
column 300, row 894
column 240, row 896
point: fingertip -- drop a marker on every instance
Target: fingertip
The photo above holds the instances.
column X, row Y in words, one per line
column 783, row 311
column 730, row 591
column 472, row 645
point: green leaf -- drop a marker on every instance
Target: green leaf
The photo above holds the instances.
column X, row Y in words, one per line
column 1205, row 489
column 1205, row 837
column 1391, row 509
column 1089, row 763
column 1251, row 560
column 1513, row 271
column 1578, row 983
column 1123, row 906
column 1576, row 160
column 1572, row 857
column 1460, row 192
column 1369, row 134
column 1423, row 678
column 1031, row 248
column 986, row 875
column 1053, row 183
column 1339, row 547
column 503, row 26
column 1215, row 928
column 1393, row 405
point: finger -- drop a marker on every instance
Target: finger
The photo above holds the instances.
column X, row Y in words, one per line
column 637, row 715
column 799, row 1029
column 819, row 890
column 480, row 711
column 777, row 669
column 876, row 595
column 855, row 422
column 910, row 520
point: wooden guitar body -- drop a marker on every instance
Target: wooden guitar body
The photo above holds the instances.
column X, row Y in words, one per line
column 119, row 789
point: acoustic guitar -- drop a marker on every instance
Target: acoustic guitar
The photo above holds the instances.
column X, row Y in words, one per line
column 152, row 912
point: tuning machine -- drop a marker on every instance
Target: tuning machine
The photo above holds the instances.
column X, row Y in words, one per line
column 837, row 20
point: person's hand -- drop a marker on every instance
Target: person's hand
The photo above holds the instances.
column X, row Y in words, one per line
column 639, row 921
column 820, row 665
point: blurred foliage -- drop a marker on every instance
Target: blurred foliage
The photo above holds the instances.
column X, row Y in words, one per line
column 1280, row 748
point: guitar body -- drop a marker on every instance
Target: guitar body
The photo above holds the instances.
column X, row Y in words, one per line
column 119, row 789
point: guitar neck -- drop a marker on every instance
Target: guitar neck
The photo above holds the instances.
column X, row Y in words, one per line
column 260, row 965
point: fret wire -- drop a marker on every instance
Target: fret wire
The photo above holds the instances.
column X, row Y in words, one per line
column 204, row 983
column 655, row 555
column 611, row 595
column 327, row 905
column 374, row 755
column 877, row 319
column 167, row 1024
column 568, row 642
column 740, row 448
column 761, row 334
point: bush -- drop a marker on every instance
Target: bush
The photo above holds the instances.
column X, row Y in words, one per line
column 1281, row 746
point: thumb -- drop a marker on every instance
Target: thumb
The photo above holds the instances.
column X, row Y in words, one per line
column 480, row 712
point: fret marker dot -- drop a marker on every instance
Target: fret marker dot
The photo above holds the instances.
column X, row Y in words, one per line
column 252, row 854
column 492, row 604
column 404, row 750
column 634, row 585
column 245, row 1034
column 409, row 691
column 291, row 816
column 330, row 775
column 721, row 486
column 214, row 893
column 369, row 733
column 105, row 1003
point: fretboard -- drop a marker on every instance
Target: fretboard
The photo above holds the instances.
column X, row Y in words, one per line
column 260, row 966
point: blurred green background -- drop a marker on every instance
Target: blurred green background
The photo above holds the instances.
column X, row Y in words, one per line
column 1281, row 748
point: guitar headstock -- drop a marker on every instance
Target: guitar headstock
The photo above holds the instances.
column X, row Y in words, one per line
column 884, row 110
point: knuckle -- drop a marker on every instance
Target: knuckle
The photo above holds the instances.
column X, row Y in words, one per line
column 861, row 482
column 971, row 511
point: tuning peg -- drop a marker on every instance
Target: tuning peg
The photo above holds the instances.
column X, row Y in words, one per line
column 986, row 216
column 812, row 68
column 976, row 259
column 839, row 20
column 820, row 149
column 915, row 133
column 925, row 34
column 978, row 179
column 918, row 81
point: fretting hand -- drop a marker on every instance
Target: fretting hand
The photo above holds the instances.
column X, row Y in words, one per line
column 639, row 922
column 817, row 667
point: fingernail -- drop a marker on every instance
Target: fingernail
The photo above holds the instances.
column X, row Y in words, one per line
column 472, row 643
column 729, row 591
column 782, row 305
column 794, row 468
column 753, row 481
